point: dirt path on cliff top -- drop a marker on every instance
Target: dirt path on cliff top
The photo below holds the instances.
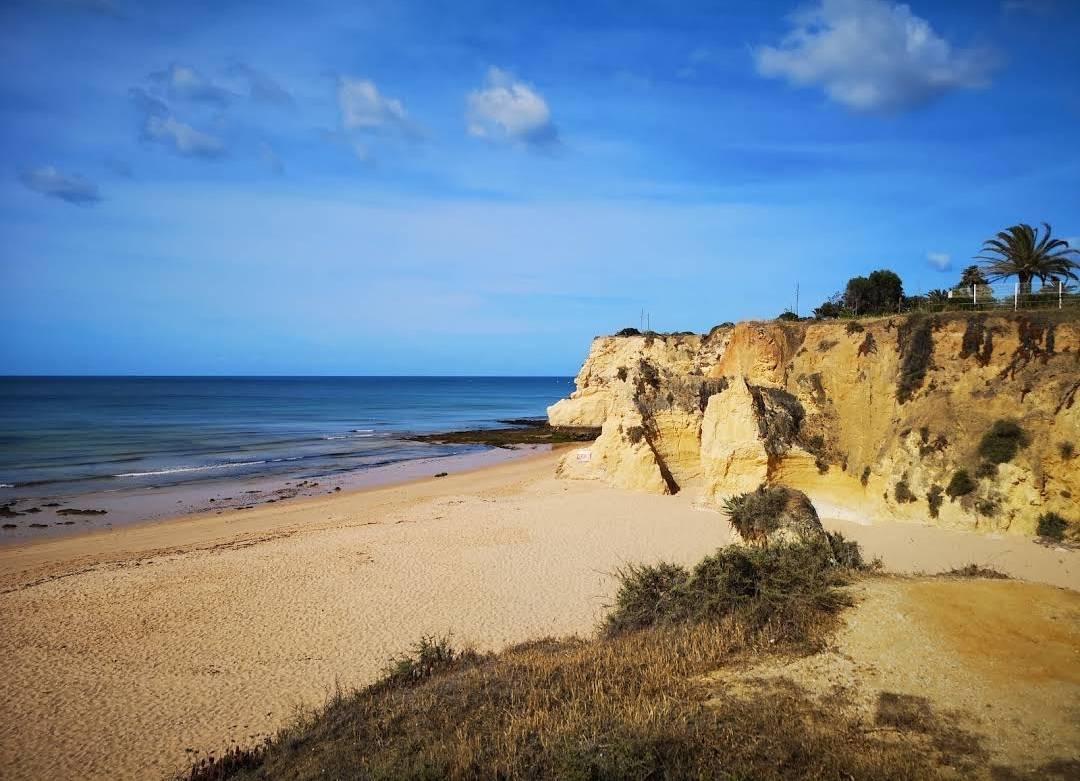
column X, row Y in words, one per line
column 938, row 661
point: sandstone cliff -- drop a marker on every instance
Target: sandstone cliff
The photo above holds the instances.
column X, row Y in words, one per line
column 881, row 419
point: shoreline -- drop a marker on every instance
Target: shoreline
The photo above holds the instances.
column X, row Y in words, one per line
column 225, row 517
column 133, row 652
column 124, row 508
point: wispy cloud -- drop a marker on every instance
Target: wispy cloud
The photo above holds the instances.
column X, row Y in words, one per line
column 184, row 83
column 510, row 111
column 873, row 56
column 160, row 126
column 72, row 188
column 942, row 261
column 364, row 108
column 182, row 138
column 262, row 87
column 147, row 104
column 367, row 115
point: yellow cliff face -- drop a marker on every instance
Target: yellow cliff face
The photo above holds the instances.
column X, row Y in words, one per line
column 872, row 420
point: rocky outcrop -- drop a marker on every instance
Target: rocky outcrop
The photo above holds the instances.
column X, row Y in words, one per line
column 872, row 420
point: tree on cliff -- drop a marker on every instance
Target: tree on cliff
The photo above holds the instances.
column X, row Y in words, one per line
column 972, row 275
column 1021, row 252
column 877, row 294
column 831, row 308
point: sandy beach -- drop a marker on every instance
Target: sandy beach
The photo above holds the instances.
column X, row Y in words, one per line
column 130, row 652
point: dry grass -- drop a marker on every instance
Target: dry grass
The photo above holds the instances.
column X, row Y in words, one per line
column 975, row 571
column 625, row 707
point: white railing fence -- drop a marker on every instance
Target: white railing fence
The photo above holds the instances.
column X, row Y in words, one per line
column 1000, row 296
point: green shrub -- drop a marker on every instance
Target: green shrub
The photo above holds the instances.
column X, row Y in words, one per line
column 1002, row 442
column 916, row 338
column 621, row 373
column 629, row 332
column 986, row 469
column 868, row 346
column 1067, row 450
column 854, row 327
column 431, row 656
column 756, row 515
column 904, row 494
column 847, row 553
column 785, row 589
column 649, row 374
column 961, row 484
column 1052, row 526
column 865, row 478
column 934, row 499
column 648, row 595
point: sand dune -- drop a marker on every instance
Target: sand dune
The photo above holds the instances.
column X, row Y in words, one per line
column 127, row 652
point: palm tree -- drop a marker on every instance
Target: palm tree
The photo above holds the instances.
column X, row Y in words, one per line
column 972, row 275
column 1022, row 253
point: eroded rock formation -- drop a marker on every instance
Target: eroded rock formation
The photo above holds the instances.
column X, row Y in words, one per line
column 872, row 420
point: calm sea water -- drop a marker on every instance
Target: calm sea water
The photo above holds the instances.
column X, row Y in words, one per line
column 75, row 436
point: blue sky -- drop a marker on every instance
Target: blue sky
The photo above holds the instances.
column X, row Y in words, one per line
column 481, row 187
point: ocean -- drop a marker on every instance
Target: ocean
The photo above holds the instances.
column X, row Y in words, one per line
column 170, row 441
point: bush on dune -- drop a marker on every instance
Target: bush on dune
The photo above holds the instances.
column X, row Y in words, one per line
column 788, row 592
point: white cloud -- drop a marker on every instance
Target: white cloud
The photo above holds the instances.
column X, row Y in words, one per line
column 67, row 187
column 872, row 55
column 510, row 111
column 182, row 138
column 185, row 83
column 364, row 108
column 942, row 261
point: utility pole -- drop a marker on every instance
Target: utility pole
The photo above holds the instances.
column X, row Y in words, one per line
column 796, row 299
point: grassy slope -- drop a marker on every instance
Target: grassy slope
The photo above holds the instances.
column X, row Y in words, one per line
column 632, row 702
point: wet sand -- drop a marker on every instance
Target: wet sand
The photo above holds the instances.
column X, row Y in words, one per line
column 127, row 652
column 34, row 518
